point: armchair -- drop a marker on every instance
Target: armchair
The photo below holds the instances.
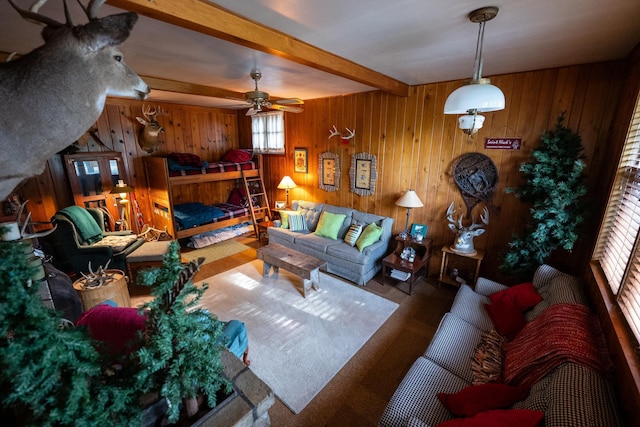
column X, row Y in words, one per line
column 81, row 238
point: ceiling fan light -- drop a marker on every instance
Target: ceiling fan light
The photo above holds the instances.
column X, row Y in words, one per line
column 470, row 123
column 482, row 97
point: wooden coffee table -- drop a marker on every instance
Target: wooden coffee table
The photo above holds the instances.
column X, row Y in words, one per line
column 302, row 265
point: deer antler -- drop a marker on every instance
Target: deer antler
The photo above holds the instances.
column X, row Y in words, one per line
column 343, row 136
column 450, row 211
column 32, row 14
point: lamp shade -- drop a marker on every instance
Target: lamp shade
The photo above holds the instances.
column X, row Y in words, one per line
column 481, row 97
column 409, row 200
column 286, row 183
column 121, row 188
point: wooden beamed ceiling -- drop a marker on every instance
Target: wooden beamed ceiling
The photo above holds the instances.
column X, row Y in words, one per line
column 207, row 18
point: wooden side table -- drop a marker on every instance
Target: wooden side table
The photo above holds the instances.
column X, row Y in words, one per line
column 115, row 291
column 458, row 268
column 262, row 230
column 393, row 261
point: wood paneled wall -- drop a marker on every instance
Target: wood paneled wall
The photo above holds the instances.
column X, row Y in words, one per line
column 416, row 146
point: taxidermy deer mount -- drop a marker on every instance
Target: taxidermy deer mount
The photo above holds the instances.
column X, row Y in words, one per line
column 464, row 235
column 52, row 95
column 148, row 137
column 344, row 137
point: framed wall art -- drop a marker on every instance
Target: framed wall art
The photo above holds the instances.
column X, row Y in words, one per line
column 329, row 167
column 300, row 160
column 363, row 173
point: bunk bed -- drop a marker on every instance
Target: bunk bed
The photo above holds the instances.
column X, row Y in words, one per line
column 183, row 220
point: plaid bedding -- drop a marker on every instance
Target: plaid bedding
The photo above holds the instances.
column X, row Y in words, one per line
column 230, row 211
column 218, row 167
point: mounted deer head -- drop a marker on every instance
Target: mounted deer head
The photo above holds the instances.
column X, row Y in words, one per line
column 344, row 137
column 148, row 138
column 52, row 95
column 464, row 235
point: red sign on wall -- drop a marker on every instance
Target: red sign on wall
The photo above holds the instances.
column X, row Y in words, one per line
column 502, row 143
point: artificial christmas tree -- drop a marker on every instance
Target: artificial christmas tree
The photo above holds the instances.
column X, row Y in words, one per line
column 554, row 186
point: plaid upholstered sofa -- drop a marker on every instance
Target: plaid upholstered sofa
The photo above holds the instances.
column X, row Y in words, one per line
column 573, row 393
column 343, row 259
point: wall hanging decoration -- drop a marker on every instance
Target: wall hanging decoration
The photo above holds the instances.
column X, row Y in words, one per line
column 300, row 160
column 329, row 167
column 476, row 176
column 344, row 137
column 363, row 173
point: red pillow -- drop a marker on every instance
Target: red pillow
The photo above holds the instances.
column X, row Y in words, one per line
column 187, row 159
column 524, row 296
column 506, row 317
column 498, row 417
column 115, row 326
column 237, row 156
column 482, row 397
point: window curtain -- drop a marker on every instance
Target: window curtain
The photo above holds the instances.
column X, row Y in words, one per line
column 618, row 248
column 268, row 132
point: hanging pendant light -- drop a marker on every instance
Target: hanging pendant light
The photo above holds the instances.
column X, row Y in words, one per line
column 479, row 95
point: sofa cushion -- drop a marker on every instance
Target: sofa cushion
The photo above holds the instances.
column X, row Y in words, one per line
column 416, row 396
column 347, row 212
column 453, row 345
column 314, row 242
column 347, row 255
column 574, row 395
column 498, row 417
column 482, row 397
column 469, row 306
column 369, row 236
column 330, row 224
column 281, row 235
column 559, row 290
column 311, row 211
column 352, row 235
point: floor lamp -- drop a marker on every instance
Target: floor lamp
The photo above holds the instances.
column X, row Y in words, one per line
column 408, row 200
column 122, row 190
column 286, row 184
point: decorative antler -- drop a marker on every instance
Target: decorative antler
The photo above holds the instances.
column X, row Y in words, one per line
column 148, row 139
column 345, row 137
column 464, row 235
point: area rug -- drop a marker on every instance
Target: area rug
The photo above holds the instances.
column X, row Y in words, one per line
column 296, row 344
column 217, row 251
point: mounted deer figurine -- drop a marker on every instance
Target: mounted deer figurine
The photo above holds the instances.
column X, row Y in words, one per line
column 344, row 137
column 148, row 138
column 464, row 235
column 52, row 95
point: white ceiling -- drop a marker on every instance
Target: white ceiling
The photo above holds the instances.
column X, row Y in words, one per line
column 413, row 41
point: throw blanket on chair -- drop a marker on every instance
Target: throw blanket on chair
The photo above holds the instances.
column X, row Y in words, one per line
column 562, row 333
column 87, row 227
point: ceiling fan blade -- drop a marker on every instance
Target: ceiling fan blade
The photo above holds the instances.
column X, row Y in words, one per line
column 252, row 111
column 287, row 108
column 289, row 101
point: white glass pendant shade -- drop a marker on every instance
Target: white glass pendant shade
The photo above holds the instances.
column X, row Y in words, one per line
column 471, row 123
column 482, row 97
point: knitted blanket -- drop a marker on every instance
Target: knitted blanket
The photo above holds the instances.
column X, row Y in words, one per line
column 86, row 225
column 562, row 333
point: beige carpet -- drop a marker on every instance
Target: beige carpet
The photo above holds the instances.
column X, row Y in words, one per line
column 216, row 251
column 296, row 344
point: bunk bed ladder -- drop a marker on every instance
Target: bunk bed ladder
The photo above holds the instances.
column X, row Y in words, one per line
column 254, row 188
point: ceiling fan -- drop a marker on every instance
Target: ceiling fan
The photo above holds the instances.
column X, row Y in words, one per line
column 258, row 99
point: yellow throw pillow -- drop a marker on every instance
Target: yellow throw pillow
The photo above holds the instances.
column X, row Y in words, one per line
column 369, row 236
column 329, row 225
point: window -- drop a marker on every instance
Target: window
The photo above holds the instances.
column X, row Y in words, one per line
column 268, row 132
column 618, row 246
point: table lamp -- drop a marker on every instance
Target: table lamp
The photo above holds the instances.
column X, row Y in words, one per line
column 408, row 200
column 286, row 184
column 122, row 190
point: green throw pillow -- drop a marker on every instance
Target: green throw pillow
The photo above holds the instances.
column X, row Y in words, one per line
column 329, row 225
column 352, row 235
column 369, row 236
column 284, row 217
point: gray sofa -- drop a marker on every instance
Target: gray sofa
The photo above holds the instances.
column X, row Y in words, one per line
column 569, row 395
column 342, row 259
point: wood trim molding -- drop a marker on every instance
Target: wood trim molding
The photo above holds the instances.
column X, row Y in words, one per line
column 207, row 18
column 620, row 341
